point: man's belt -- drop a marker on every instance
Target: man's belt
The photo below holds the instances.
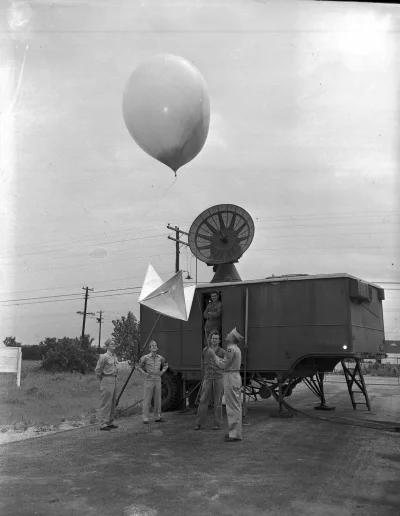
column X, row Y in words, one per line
column 233, row 371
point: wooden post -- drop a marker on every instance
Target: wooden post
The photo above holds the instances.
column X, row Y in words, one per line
column 246, row 323
column 19, row 364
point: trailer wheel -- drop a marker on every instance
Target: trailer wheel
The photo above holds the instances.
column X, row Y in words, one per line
column 171, row 391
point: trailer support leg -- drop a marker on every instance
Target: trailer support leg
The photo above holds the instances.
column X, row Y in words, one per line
column 316, row 385
column 323, row 406
column 192, row 395
column 351, row 379
column 184, row 409
column 280, row 399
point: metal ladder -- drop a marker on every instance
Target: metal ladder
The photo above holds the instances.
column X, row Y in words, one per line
column 350, row 375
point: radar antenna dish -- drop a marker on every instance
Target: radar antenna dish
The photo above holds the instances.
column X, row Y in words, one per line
column 220, row 236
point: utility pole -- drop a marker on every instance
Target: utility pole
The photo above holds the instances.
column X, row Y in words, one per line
column 177, row 242
column 84, row 313
column 99, row 319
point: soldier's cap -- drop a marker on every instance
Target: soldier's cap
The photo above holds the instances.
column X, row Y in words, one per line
column 108, row 342
column 235, row 336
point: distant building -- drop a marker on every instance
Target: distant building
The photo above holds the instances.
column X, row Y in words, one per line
column 392, row 351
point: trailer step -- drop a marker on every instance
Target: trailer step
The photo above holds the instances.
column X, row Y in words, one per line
column 353, row 381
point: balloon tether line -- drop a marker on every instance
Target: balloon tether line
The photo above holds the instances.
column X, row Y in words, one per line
column 174, row 181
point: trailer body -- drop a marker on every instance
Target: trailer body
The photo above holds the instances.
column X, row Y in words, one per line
column 295, row 326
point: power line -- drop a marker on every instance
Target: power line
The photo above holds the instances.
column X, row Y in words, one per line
column 75, row 285
column 42, row 297
column 117, row 289
column 330, row 235
column 74, row 240
column 283, row 218
column 333, row 215
column 94, row 296
column 92, row 245
column 323, row 216
column 324, row 226
column 275, row 237
column 66, row 300
column 396, row 282
column 79, row 255
column 113, row 295
column 66, row 295
column 49, row 301
column 90, row 264
column 36, row 316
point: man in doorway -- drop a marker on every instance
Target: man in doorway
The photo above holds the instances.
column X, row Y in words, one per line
column 153, row 366
column 213, row 315
column 232, row 384
column 213, row 383
column 107, row 371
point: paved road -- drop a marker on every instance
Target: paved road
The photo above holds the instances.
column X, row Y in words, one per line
column 297, row 466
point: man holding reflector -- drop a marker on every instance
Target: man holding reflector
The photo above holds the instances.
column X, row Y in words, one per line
column 232, row 384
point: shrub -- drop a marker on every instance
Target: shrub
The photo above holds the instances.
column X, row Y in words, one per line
column 32, row 352
column 376, row 369
column 70, row 355
column 11, row 342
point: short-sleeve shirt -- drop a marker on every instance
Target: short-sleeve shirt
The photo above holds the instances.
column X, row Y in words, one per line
column 152, row 365
column 107, row 365
column 233, row 358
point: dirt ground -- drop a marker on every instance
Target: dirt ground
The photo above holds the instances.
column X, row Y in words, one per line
column 297, row 466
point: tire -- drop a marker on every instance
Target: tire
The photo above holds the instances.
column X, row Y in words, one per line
column 171, row 391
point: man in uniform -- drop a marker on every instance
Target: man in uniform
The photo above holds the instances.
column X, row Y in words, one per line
column 232, row 384
column 213, row 382
column 153, row 366
column 212, row 315
column 107, row 370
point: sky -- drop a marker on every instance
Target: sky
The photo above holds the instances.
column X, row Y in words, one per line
column 304, row 135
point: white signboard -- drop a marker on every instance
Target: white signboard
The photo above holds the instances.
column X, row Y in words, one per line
column 10, row 362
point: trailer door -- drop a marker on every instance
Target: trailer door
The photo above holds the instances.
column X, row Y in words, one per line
column 233, row 307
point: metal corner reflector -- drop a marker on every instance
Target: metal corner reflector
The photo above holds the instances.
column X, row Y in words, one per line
column 169, row 298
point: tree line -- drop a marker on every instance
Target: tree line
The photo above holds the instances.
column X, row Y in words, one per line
column 81, row 354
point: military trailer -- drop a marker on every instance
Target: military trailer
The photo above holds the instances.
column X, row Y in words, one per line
column 296, row 329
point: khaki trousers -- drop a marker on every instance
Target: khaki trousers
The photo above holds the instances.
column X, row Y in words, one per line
column 108, row 389
column 152, row 387
column 232, row 393
column 208, row 388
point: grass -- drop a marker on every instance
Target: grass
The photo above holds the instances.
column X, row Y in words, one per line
column 50, row 399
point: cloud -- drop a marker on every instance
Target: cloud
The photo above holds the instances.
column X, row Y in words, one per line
column 98, row 253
